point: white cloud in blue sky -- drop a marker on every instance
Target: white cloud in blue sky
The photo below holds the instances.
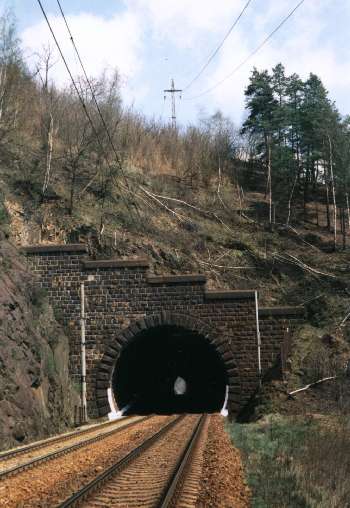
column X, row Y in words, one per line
column 150, row 41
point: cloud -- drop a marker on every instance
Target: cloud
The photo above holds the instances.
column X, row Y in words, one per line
column 103, row 43
column 303, row 45
column 152, row 40
column 181, row 22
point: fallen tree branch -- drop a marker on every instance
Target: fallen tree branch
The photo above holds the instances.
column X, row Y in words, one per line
column 227, row 267
column 249, row 219
column 343, row 321
column 181, row 218
column 181, row 201
column 226, row 253
column 158, row 197
column 300, row 237
column 291, row 394
column 310, row 300
column 289, row 258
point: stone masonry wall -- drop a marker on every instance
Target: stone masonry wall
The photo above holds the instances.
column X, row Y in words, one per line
column 120, row 293
column 275, row 323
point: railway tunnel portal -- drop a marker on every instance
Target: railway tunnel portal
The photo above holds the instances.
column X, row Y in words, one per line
column 169, row 369
column 159, row 344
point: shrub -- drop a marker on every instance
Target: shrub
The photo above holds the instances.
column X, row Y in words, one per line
column 295, row 462
column 4, row 216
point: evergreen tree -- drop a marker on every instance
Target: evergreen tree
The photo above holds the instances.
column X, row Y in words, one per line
column 299, row 135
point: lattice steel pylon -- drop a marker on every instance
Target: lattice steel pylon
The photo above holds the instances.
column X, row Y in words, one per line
column 173, row 91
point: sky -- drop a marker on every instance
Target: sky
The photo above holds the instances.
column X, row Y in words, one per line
column 152, row 41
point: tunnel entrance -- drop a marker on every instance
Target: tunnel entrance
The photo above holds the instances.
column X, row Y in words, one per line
column 167, row 370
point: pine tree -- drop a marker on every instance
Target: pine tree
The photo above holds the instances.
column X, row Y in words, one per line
column 262, row 106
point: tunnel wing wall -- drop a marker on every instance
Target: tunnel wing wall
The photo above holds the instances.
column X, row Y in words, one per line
column 276, row 328
column 121, row 297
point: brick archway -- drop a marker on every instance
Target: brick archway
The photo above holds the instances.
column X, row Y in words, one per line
column 219, row 342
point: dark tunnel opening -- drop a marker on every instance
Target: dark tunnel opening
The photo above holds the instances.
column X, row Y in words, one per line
column 169, row 370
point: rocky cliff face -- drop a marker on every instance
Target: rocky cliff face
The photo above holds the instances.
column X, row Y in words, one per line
column 36, row 396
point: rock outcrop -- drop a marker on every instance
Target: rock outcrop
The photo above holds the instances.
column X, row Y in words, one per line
column 36, row 395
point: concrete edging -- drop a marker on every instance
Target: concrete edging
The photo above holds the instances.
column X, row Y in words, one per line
column 177, row 279
column 229, row 295
column 281, row 311
column 116, row 263
column 49, row 248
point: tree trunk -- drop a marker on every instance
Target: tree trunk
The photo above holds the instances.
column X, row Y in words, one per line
column 306, row 185
column 72, row 189
column 333, row 192
column 49, row 150
column 316, row 176
column 269, row 179
column 340, row 219
column 347, row 209
column 290, row 198
column 3, row 74
column 327, row 207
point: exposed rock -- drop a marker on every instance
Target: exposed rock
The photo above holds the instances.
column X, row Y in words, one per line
column 36, row 396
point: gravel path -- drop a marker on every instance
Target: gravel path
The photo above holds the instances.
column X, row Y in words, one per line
column 222, row 484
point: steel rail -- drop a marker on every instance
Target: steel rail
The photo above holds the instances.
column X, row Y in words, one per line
column 77, row 498
column 170, row 491
column 65, row 451
column 52, row 440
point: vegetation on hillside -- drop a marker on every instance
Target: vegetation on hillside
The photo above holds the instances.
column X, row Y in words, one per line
column 294, row 148
column 264, row 205
column 303, row 143
column 261, row 206
column 296, row 462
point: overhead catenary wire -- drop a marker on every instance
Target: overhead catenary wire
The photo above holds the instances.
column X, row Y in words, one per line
column 241, row 64
column 90, row 87
column 84, row 106
column 71, row 77
column 216, row 51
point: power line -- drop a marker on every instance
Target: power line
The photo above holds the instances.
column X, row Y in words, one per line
column 84, row 105
column 249, row 56
column 212, row 56
column 71, row 76
column 172, row 91
column 90, row 87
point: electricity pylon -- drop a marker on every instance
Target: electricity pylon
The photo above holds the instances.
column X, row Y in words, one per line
column 173, row 91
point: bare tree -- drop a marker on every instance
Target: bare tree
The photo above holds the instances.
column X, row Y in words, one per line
column 77, row 139
column 48, row 100
column 11, row 70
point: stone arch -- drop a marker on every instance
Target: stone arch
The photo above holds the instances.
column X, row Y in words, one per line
column 218, row 340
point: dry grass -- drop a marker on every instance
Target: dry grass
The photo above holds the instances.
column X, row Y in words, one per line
column 296, row 462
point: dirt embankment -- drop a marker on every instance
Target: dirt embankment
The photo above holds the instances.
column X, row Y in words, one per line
column 223, row 482
column 36, row 396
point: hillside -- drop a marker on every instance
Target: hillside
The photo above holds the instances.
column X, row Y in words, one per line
column 263, row 205
column 185, row 230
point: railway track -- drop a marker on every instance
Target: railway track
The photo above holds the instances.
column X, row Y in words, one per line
column 15, row 452
column 18, row 460
column 151, row 475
